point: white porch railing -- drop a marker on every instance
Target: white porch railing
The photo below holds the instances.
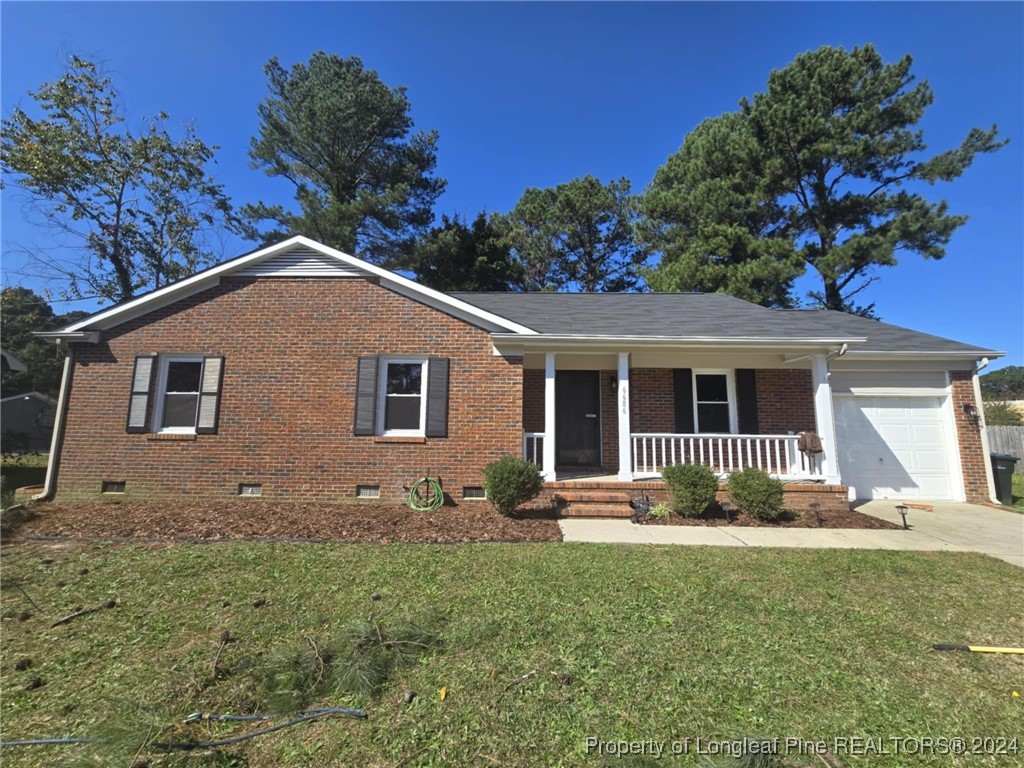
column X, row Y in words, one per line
column 723, row 454
column 533, row 447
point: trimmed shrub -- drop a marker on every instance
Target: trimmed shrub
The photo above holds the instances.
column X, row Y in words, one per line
column 757, row 493
column 692, row 487
column 510, row 481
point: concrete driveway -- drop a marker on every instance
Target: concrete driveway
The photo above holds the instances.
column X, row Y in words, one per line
column 949, row 528
column 968, row 527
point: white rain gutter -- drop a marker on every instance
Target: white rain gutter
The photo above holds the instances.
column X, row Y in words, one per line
column 49, row 485
column 986, row 449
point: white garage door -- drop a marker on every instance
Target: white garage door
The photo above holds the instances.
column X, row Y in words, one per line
column 894, row 448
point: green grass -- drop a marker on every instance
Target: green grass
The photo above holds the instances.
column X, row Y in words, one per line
column 1018, row 492
column 660, row 643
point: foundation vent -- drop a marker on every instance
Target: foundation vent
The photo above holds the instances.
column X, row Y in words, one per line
column 113, row 486
column 367, row 491
column 250, row 489
column 474, row 492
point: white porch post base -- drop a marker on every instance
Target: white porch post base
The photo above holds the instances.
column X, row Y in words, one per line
column 824, row 419
column 622, row 405
column 548, row 461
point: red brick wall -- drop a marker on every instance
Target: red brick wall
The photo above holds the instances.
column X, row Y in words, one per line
column 287, row 404
column 968, row 437
column 785, row 401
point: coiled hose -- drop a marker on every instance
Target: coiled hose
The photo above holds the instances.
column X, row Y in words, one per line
column 429, row 503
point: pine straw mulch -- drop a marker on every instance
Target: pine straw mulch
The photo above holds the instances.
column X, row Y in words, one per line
column 832, row 519
column 258, row 519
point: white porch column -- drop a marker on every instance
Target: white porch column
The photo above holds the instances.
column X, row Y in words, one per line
column 548, row 462
column 824, row 419
column 622, row 397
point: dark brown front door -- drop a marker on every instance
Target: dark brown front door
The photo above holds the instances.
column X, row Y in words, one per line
column 577, row 419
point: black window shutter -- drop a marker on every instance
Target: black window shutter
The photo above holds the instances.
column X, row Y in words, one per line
column 746, row 400
column 437, row 397
column 366, row 396
column 683, row 385
column 138, row 401
column 209, row 396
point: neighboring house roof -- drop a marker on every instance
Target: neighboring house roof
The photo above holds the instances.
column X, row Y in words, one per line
column 706, row 316
column 9, row 362
column 29, row 396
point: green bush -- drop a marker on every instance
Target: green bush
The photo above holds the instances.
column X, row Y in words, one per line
column 510, row 482
column 692, row 487
column 659, row 512
column 757, row 493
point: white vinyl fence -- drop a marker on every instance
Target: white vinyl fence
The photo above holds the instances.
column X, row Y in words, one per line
column 1008, row 440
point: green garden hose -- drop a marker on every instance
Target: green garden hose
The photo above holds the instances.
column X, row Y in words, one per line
column 433, row 501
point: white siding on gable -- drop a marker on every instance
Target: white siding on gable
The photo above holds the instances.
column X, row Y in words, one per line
column 301, row 262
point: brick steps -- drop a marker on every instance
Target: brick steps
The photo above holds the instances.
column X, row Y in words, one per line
column 592, row 497
column 593, row 503
column 596, row 510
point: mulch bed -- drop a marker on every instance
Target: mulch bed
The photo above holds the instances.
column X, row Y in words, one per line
column 252, row 519
column 840, row 519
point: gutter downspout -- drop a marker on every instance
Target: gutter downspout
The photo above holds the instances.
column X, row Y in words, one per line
column 49, row 485
column 989, row 477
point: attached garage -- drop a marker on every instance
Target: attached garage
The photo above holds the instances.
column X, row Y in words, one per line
column 896, row 437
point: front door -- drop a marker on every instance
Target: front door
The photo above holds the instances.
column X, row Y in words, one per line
column 577, row 419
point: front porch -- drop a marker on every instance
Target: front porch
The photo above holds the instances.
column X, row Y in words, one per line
column 626, row 423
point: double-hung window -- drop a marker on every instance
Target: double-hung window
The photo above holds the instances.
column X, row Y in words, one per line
column 175, row 394
column 714, row 402
column 403, row 406
column 177, row 405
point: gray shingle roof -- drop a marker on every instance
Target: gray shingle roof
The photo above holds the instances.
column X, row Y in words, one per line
column 703, row 315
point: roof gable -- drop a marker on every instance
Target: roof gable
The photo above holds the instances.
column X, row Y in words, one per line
column 296, row 257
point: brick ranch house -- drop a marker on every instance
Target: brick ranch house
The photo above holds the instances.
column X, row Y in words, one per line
column 297, row 372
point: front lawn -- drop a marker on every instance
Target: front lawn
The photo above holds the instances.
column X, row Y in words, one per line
column 543, row 646
column 1018, row 492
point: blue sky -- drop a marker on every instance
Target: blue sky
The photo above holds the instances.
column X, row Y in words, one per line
column 531, row 94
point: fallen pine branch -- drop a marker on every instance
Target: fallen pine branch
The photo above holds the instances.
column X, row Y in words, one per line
column 85, row 612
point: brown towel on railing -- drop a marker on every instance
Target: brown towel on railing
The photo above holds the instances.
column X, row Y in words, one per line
column 809, row 443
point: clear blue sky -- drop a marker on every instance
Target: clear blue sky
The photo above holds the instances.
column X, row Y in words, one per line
column 536, row 94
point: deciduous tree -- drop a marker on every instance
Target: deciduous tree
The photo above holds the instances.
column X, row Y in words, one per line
column 22, row 313
column 133, row 210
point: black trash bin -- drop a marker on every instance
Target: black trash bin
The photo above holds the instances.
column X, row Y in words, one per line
column 1002, row 471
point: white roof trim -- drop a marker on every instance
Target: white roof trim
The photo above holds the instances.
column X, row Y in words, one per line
column 211, row 277
column 541, row 339
column 976, row 354
column 27, row 395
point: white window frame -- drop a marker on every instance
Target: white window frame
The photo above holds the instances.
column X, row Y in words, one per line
column 160, row 393
column 730, row 392
column 382, row 396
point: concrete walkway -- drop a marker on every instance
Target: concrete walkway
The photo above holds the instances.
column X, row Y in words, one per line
column 950, row 528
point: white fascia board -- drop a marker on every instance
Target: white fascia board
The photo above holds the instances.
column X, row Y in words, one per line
column 967, row 355
column 541, row 340
column 211, row 277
